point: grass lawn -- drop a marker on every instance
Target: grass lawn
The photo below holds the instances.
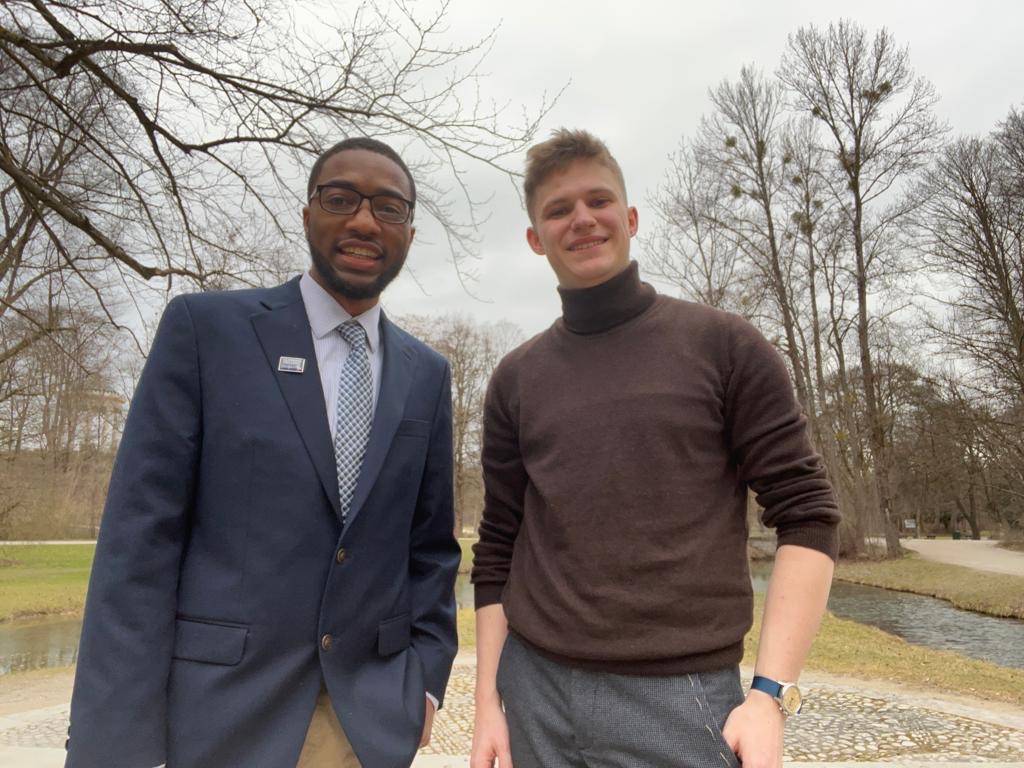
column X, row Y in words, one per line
column 467, row 555
column 991, row 593
column 43, row 578
column 52, row 578
column 847, row 648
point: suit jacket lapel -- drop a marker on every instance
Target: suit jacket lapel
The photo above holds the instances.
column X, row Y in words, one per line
column 396, row 378
column 284, row 332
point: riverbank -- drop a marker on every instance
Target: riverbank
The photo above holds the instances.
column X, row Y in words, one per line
column 850, row 649
column 990, row 593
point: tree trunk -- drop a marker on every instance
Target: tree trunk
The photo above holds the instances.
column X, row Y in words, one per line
column 875, row 417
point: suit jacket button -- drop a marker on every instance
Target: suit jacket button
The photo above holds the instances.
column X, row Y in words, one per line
column 326, row 642
column 340, row 556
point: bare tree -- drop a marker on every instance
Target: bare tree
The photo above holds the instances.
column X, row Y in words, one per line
column 31, row 247
column 1002, row 439
column 755, row 188
column 169, row 136
column 1010, row 136
column 817, row 230
column 881, row 126
column 960, row 458
column 820, row 243
column 61, row 418
column 743, row 137
column 473, row 349
column 688, row 248
column 972, row 230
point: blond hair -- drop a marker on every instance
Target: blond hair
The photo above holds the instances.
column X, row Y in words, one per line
column 559, row 152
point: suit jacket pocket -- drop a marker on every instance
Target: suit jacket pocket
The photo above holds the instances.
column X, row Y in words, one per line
column 209, row 642
column 413, row 428
column 393, row 634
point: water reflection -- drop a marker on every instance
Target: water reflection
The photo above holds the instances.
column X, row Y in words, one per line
column 923, row 620
column 931, row 622
column 38, row 643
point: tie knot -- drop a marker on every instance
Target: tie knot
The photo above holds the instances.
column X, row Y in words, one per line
column 353, row 333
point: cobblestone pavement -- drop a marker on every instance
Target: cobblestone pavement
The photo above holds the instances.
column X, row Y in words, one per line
column 842, row 722
column 839, row 724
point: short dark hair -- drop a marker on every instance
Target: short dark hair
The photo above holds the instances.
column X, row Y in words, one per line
column 358, row 142
column 558, row 153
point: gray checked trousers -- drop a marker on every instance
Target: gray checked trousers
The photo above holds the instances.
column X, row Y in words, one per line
column 564, row 717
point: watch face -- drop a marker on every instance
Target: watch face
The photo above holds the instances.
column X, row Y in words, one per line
column 791, row 700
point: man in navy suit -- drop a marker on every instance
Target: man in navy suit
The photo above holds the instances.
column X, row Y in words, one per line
column 273, row 583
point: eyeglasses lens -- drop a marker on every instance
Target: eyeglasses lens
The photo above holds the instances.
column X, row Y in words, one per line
column 393, row 210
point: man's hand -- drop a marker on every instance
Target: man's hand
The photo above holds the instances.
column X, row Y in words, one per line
column 428, row 723
column 754, row 731
column 490, row 736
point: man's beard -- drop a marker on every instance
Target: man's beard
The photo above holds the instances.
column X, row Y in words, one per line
column 338, row 284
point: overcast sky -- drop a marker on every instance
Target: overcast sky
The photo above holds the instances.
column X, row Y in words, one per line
column 640, row 72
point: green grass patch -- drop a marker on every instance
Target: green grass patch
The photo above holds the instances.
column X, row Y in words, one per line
column 39, row 579
column 992, row 593
column 43, row 579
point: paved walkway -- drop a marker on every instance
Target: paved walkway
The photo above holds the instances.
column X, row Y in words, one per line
column 846, row 722
column 980, row 555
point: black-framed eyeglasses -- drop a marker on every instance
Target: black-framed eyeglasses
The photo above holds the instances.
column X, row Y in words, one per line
column 390, row 209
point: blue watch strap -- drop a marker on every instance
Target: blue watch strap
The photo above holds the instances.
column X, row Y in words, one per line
column 766, row 685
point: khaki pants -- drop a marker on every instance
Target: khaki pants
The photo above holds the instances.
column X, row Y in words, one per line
column 326, row 745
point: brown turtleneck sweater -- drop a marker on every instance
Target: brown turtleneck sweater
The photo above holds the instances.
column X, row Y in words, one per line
column 618, row 447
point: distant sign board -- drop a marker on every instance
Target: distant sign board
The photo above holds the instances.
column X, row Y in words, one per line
column 910, row 523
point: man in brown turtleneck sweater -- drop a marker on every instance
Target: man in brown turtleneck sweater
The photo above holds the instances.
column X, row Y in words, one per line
column 611, row 574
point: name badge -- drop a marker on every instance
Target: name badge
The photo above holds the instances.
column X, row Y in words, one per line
column 291, row 364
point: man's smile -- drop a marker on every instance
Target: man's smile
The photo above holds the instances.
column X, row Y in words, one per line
column 587, row 242
column 359, row 255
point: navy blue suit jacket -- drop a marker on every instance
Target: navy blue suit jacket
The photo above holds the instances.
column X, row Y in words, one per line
column 219, row 567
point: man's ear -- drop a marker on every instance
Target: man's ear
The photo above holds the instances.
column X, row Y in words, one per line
column 305, row 219
column 412, row 233
column 534, row 241
column 634, row 220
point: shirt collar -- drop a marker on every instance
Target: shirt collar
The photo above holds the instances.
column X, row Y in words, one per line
column 326, row 314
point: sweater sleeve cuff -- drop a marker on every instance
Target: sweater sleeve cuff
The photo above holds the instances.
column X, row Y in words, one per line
column 823, row 537
column 487, row 594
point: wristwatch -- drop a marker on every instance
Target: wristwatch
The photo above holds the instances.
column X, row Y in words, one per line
column 787, row 695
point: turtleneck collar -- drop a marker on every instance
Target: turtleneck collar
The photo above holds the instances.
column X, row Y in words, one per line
column 613, row 302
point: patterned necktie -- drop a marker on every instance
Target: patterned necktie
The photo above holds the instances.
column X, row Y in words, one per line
column 353, row 412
